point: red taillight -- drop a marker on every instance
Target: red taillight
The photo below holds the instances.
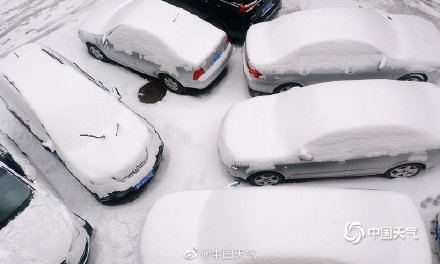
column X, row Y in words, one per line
column 227, row 39
column 254, row 72
column 198, row 73
column 244, row 8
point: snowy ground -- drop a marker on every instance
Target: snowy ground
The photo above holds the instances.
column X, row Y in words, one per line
column 187, row 124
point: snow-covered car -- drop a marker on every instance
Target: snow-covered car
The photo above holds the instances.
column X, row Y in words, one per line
column 109, row 148
column 158, row 39
column 345, row 128
column 333, row 44
column 34, row 226
column 284, row 225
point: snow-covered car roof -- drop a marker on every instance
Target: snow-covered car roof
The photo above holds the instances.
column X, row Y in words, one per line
column 146, row 25
column 97, row 136
column 282, row 225
column 333, row 121
column 349, row 30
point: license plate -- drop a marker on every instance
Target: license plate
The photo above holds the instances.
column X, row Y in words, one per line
column 216, row 57
column 267, row 8
column 144, row 180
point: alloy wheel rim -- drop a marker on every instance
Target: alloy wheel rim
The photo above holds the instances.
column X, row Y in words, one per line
column 96, row 52
column 171, row 84
column 404, row 171
column 266, row 179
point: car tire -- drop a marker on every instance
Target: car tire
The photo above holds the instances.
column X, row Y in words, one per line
column 286, row 87
column 414, row 77
column 97, row 53
column 172, row 84
column 404, row 170
column 265, row 178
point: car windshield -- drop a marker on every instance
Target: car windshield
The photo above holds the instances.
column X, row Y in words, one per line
column 14, row 196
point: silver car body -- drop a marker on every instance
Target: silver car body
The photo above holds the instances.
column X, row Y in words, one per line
column 349, row 47
column 116, row 18
column 333, row 129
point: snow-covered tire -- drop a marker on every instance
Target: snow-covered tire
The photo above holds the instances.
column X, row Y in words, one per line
column 286, row 87
column 414, row 77
column 172, row 84
column 265, row 178
column 97, row 53
column 404, row 170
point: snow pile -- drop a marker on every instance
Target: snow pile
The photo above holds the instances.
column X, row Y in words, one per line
column 332, row 38
column 41, row 234
column 167, row 35
column 333, row 121
column 100, row 140
column 311, row 230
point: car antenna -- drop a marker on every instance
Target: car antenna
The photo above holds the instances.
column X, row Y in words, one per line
column 176, row 17
column 117, row 128
column 16, row 55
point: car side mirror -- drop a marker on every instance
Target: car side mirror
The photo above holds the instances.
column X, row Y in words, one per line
column 104, row 41
column 382, row 63
column 305, row 157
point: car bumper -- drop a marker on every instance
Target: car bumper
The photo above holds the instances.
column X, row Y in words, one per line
column 212, row 74
column 114, row 196
column 80, row 249
column 256, row 86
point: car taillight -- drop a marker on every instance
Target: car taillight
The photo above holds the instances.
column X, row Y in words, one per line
column 198, row 73
column 244, row 8
column 227, row 39
column 254, row 72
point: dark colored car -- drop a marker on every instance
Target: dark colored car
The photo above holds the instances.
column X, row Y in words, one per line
column 233, row 16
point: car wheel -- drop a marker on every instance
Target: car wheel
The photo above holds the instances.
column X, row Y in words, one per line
column 265, row 178
column 286, row 87
column 172, row 84
column 404, row 171
column 414, row 77
column 97, row 53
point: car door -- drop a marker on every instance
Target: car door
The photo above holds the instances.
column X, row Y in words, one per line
column 142, row 64
column 374, row 165
column 368, row 66
column 317, row 169
column 111, row 48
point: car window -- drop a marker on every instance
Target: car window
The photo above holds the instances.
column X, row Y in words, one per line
column 8, row 160
column 14, row 196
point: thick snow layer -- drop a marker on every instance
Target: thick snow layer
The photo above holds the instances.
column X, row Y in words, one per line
column 124, row 140
column 188, row 125
column 330, row 38
column 333, row 121
column 299, row 227
column 168, row 35
column 41, row 234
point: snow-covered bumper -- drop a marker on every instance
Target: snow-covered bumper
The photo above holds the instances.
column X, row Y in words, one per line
column 237, row 172
column 143, row 179
column 80, row 247
column 256, row 86
column 214, row 71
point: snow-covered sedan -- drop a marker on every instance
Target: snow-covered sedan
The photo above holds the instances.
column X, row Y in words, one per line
column 284, row 226
column 158, row 39
column 332, row 44
column 109, row 148
column 345, row 128
column 34, row 226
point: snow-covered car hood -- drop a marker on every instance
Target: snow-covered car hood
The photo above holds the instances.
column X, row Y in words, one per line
column 402, row 38
column 166, row 34
column 97, row 136
column 281, row 225
column 42, row 233
column 333, row 121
